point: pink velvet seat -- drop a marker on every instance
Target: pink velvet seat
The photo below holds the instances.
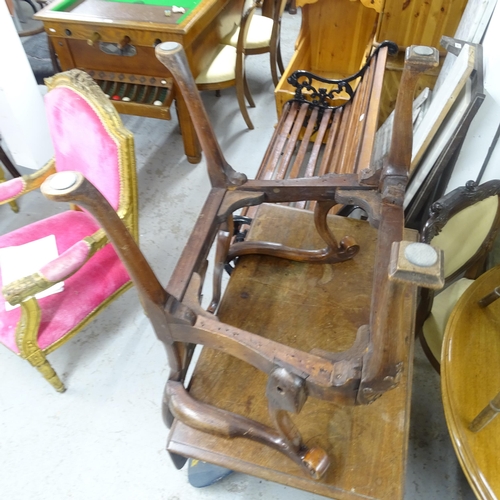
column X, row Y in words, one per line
column 88, row 137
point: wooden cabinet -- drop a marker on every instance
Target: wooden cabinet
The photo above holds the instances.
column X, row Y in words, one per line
column 336, row 36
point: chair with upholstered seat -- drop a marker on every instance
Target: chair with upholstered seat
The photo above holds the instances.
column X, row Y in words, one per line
column 227, row 68
column 89, row 137
column 264, row 35
column 464, row 224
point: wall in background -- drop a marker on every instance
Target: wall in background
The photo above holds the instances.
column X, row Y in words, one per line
column 23, row 125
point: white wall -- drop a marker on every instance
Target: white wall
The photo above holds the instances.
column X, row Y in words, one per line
column 23, row 124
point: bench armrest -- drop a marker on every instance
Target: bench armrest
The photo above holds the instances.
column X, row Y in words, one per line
column 326, row 97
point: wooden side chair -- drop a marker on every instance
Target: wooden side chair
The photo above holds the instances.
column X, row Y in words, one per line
column 264, row 35
column 464, row 224
column 369, row 361
column 88, row 137
column 227, row 68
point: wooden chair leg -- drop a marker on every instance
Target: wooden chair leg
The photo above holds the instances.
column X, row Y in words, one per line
column 292, row 7
column 213, row 420
column 334, row 251
column 240, row 94
column 8, row 164
column 487, row 414
column 39, row 361
column 248, row 95
column 279, row 57
column 26, row 339
column 274, row 66
column 53, row 57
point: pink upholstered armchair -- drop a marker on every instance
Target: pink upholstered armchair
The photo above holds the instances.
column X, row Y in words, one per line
column 88, row 137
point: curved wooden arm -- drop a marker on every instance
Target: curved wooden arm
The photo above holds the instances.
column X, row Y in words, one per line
column 73, row 187
column 418, row 59
column 221, row 174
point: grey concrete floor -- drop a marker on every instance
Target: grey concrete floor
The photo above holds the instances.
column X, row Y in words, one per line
column 104, row 438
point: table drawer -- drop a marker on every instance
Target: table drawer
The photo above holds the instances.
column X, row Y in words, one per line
column 87, row 32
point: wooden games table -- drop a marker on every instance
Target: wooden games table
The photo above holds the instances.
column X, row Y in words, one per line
column 311, row 306
column 114, row 41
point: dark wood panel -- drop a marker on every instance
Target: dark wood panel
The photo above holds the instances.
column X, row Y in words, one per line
column 305, row 306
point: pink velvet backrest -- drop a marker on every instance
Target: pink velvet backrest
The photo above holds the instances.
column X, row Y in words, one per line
column 81, row 142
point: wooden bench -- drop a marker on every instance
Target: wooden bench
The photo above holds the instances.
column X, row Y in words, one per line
column 329, row 126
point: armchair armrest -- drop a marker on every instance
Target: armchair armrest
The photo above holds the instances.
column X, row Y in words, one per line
column 67, row 264
column 13, row 188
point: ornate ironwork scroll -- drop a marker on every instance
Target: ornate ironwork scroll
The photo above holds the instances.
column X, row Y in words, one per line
column 322, row 97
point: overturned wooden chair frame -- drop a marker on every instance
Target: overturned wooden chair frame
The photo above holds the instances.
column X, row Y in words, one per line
column 372, row 366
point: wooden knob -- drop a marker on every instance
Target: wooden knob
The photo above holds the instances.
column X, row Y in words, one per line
column 94, row 38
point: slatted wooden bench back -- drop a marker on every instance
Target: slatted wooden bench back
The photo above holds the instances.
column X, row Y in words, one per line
column 319, row 135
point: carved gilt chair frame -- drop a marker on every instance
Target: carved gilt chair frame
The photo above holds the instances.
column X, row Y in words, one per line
column 36, row 317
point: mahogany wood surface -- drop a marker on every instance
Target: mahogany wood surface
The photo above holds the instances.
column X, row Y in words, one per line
column 470, row 379
column 200, row 32
column 307, row 306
